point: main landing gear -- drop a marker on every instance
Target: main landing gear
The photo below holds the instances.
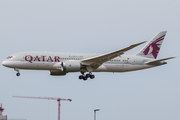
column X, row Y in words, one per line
column 18, row 74
column 85, row 77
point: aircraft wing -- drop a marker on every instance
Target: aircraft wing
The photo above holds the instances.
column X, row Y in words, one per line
column 94, row 62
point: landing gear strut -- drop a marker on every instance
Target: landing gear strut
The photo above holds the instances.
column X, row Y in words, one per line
column 18, row 74
column 85, row 77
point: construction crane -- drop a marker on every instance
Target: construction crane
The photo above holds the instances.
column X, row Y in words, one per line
column 1, row 110
column 48, row 98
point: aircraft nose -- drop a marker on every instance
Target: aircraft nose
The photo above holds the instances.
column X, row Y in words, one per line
column 8, row 63
column 4, row 63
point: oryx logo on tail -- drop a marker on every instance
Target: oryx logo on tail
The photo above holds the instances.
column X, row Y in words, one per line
column 151, row 50
column 154, row 47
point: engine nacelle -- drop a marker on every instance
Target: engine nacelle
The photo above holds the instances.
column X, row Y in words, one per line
column 57, row 73
column 71, row 66
column 65, row 67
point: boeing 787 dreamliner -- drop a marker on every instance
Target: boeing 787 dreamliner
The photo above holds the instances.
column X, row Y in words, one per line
column 62, row 63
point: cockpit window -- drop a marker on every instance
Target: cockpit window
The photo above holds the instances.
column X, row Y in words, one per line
column 10, row 57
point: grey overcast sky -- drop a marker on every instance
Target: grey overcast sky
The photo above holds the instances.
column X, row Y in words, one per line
column 90, row 26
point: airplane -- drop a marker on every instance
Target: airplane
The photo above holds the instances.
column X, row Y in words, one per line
column 60, row 64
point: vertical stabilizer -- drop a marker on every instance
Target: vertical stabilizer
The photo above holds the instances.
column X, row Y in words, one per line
column 152, row 48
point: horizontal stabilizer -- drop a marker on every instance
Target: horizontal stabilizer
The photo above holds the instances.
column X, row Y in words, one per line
column 155, row 61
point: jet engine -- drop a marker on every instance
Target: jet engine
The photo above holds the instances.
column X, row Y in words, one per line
column 65, row 67
column 71, row 66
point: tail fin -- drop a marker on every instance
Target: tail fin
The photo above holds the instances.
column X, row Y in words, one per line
column 152, row 48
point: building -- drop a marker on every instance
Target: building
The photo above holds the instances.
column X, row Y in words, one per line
column 3, row 117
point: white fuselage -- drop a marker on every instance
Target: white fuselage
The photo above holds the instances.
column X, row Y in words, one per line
column 51, row 61
column 62, row 63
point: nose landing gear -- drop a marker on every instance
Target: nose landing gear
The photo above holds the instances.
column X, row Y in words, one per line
column 85, row 77
column 18, row 74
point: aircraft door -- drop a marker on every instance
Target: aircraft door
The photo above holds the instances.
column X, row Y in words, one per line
column 133, row 61
column 22, row 57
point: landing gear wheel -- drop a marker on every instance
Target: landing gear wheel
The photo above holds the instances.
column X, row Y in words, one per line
column 84, row 78
column 92, row 76
column 81, row 77
column 18, row 74
column 88, row 75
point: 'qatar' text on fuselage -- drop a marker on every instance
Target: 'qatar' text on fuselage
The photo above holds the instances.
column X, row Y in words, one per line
column 42, row 58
